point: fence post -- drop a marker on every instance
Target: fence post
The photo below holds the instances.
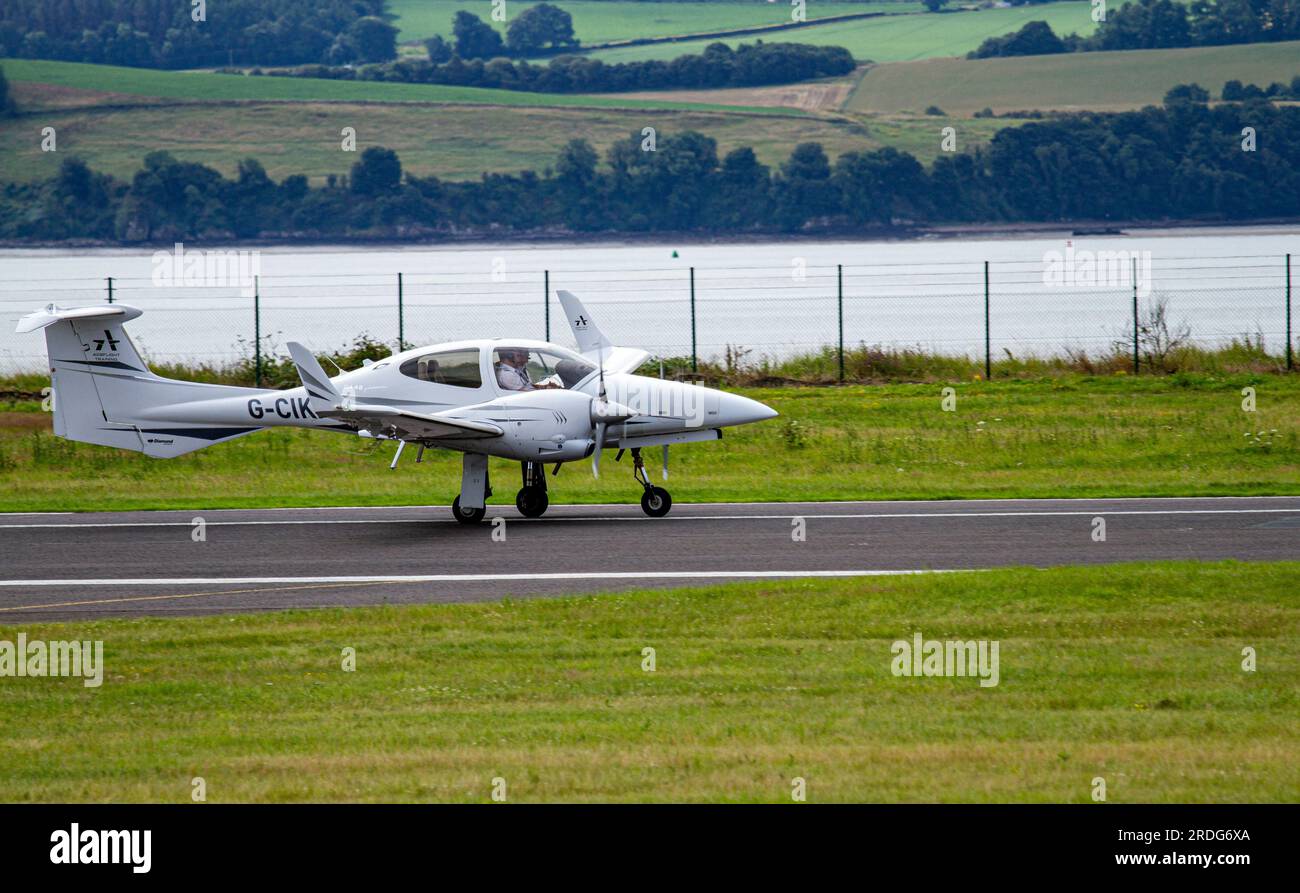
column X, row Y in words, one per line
column 546, row 301
column 988, row 352
column 257, row 330
column 110, row 289
column 401, row 322
column 1290, row 356
column 1134, row 276
column 694, row 362
column 839, row 303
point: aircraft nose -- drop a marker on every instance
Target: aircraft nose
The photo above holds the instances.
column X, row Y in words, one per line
column 737, row 410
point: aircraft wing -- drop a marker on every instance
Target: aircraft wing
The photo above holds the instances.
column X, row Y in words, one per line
column 410, row 425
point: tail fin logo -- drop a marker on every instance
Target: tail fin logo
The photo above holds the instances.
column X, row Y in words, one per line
column 108, row 337
column 580, row 322
column 100, row 342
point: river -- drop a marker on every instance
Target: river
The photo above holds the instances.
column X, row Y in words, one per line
column 766, row 299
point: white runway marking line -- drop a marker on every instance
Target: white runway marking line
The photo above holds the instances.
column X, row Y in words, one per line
column 557, row 518
column 477, row 578
column 824, row 502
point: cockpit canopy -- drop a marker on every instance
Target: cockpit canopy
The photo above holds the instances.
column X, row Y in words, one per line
column 458, row 368
column 515, row 368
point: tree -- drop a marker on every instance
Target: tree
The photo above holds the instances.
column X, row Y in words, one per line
column 804, row 191
column 375, row 39
column 539, row 27
column 1187, row 93
column 475, row 39
column 934, row 5
column 438, row 49
column 743, row 195
column 378, row 171
column 1142, row 25
column 576, row 166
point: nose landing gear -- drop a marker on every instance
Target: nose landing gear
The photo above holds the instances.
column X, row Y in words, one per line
column 531, row 500
column 655, row 501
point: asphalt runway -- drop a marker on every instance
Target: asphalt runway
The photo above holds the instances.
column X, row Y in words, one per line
column 69, row 566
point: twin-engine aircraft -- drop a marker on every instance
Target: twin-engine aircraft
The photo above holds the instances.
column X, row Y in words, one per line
column 531, row 401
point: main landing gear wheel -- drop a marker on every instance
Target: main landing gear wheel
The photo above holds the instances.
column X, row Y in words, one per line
column 467, row 515
column 532, row 502
column 656, row 502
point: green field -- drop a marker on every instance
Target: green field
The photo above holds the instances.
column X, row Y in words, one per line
column 454, row 142
column 1069, row 436
column 1095, row 81
column 604, row 21
column 1131, row 673
column 896, row 38
column 209, row 86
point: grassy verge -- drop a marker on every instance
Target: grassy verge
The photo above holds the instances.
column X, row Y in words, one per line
column 1072, row 435
column 1130, row 672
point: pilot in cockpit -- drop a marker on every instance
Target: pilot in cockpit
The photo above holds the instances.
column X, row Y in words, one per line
column 512, row 371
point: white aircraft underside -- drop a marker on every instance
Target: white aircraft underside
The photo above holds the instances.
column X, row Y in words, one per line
column 458, row 395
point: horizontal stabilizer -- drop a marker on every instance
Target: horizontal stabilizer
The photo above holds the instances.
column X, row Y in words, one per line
column 52, row 313
column 623, row 359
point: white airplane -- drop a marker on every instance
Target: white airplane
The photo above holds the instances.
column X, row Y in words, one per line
column 531, row 401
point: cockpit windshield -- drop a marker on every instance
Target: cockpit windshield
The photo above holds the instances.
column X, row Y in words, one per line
column 528, row 368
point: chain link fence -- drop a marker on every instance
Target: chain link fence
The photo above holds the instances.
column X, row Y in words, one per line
column 982, row 310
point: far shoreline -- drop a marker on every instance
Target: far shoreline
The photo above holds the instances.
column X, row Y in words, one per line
column 1083, row 229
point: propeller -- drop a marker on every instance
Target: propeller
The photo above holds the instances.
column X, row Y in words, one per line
column 661, row 378
column 603, row 414
column 598, row 408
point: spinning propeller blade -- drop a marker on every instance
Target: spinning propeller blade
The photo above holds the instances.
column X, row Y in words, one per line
column 599, row 408
column 661, row 378
column 600, row 445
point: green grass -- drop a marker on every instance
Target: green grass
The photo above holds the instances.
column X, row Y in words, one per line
column 894, row 38
column 921, row 135
column 454, row 142
column 1068, row 436
column 605, row 21
column 1097, row 81
column 1128, row 672
column 209, row 86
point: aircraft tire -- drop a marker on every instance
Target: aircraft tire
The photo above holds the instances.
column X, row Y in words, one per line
column 656, row 502
column 532, row 502
column 467, row 516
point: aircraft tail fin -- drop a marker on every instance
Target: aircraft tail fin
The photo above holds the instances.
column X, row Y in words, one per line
column 593, row 343
column 321, row 393
column 103, row 389
column 585, row 332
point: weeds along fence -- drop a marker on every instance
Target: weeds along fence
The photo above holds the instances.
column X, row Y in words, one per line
column 758, row 316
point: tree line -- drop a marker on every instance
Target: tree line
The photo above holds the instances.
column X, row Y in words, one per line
column 1235, row 91
column 719, row 65
column 1156, row 24
column 536, row 29
column 171, row 34
column 1182, row 161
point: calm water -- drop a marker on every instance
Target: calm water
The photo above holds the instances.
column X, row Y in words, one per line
column 768, row 298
